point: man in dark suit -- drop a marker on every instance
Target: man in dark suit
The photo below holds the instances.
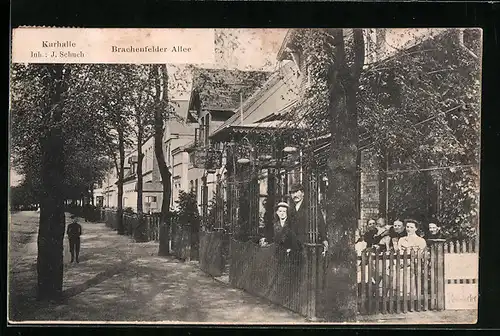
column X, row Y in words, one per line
column 74, row 232
column 300, row 221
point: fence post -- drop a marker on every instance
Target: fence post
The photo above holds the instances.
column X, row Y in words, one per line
column 376, row 277
column 398, row 272
column 363, row 283
column 440, row 275
column 391, row 282
column 405, row 281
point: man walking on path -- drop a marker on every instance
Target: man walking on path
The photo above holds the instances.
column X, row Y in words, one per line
column 74, row 232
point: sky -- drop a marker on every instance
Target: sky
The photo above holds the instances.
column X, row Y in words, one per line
column 237, row 49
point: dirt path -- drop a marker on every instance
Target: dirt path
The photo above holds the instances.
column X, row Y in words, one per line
column 122, row 281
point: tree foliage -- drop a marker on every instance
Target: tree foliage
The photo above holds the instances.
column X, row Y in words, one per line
column 423, row 105
column 188, row 209
column 22, row 196
column 85, row 139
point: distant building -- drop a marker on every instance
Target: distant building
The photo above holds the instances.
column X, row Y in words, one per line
column 177, row 132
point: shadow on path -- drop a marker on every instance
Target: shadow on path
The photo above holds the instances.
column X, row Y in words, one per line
column 100, row 277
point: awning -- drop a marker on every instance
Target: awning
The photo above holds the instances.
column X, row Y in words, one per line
column 266, row 127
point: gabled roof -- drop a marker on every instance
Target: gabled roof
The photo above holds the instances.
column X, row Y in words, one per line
column 272, row 80
column 220, row 89
column 181, row 120
column 180, row 107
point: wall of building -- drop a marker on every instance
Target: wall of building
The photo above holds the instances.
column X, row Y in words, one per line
column 149, row 162
column 129, row 195
column 180, row 168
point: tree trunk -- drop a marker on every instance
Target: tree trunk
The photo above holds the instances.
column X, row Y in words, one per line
column 52, row 220
column 160, row 158
column 341, row 290
column 140, row 230
column 121, row 172
column 167, row 188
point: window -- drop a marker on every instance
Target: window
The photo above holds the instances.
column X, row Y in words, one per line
column 151, row 158
column 151, row 199
column 168, row 155
column 206, row 129
column 132, row 170
column 197, row 134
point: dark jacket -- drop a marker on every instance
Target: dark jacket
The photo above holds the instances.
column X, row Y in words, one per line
column 74, row 231
column 430, row 238
column 299, row 223
column 369, row 237
column 284, row 236
column 437, row 235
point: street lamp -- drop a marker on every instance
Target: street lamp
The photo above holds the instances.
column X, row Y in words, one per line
column 246, row 151
column 265, row 157
column 243, row 160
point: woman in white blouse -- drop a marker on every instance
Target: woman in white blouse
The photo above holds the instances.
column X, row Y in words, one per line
column 412, row 240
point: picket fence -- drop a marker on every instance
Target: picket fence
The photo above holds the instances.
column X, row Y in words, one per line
column 214, row 252
column 406, row 281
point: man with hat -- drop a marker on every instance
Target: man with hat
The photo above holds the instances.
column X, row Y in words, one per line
column 74, row 232
column 300, row 221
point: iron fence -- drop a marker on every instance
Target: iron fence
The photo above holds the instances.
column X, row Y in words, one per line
column 285, row 278
column 213, row 252
column 147, row 230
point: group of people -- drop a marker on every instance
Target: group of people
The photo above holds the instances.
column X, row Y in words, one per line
column 401, row 235
column 291, row 229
